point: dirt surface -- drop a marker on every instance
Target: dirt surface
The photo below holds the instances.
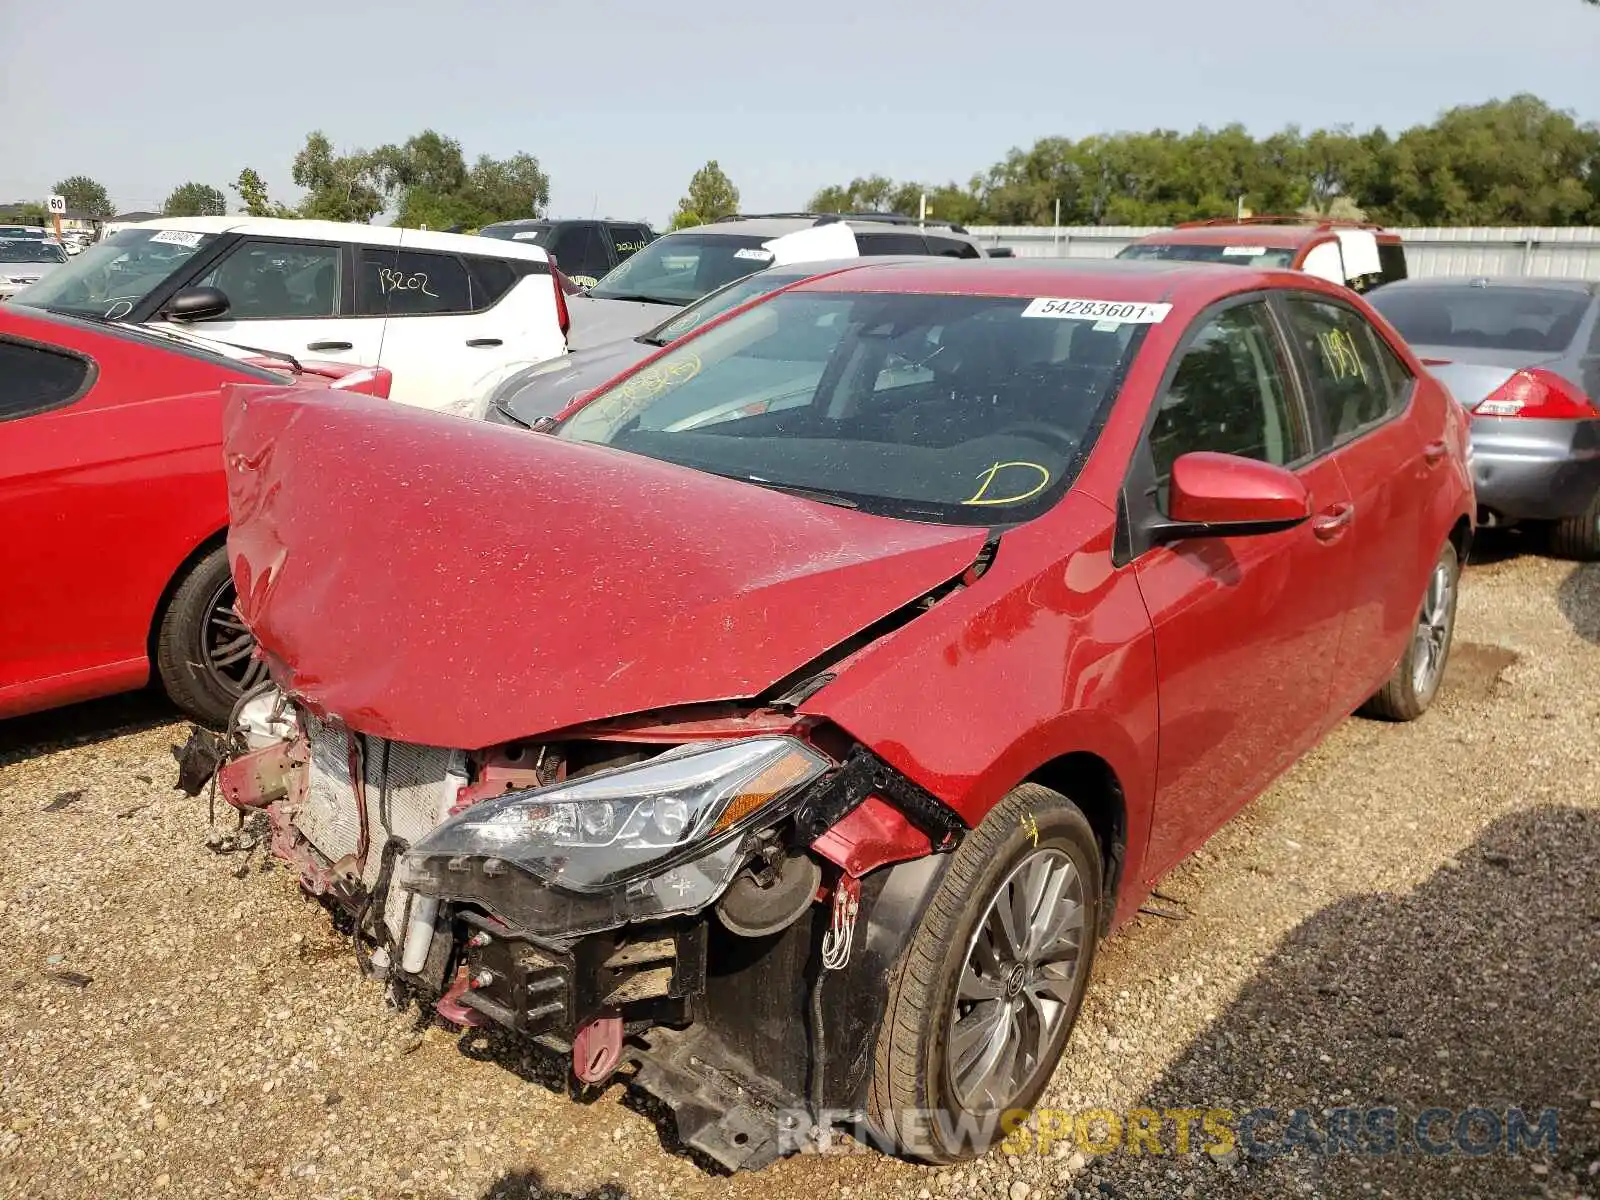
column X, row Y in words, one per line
column 1411, row 917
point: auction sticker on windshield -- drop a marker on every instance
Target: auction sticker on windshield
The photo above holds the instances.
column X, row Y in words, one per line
column 1122, row 312
column 177, row 237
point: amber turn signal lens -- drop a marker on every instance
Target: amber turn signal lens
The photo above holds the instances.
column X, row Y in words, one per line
column 788, row 772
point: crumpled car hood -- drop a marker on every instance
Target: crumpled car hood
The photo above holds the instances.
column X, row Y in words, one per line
column 597, row 321
column 455, row 583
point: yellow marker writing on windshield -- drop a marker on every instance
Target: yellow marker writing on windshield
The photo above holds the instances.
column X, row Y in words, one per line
column 652, row 381
column 981, row 496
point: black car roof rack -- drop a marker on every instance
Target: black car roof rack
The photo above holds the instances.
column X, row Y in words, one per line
column 834, row 218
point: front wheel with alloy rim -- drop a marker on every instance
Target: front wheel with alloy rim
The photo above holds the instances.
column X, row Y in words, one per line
column 1415, row 682
column 204, row 654
column 987, row 990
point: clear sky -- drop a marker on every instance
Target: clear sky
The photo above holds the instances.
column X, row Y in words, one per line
column 622, row 100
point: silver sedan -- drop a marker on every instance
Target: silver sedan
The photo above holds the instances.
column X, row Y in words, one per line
column 26, row 260
column 1523, row 357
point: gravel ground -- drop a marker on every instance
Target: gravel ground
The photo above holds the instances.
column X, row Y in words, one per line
column 1408, row 918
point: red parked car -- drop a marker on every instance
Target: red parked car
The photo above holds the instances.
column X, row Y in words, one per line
column 1360, row 255
column 795, row 720
column 114, row 510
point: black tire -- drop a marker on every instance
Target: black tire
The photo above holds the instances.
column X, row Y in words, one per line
column 188, row 635
column 911, row 1070
column 1578, row 537
column 1405, row 696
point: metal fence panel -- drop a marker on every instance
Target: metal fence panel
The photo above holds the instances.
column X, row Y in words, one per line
column 1568, row 252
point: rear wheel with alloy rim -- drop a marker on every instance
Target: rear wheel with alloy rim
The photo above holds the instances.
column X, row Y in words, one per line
column 988, row 988
column 204, row 654
column 1415, row 682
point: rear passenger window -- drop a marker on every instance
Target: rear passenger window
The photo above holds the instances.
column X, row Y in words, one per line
column 489, row 279
column 890, row 243
column 1230, row 394
column 1352, row 387
column 411, row 283
column 1392, row 256
column 1395, row 373
column 951, row 247
column 628, row 240
column 34, row 379
column 580, row 254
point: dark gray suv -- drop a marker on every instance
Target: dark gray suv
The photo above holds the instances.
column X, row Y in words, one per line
column 584, row 250
column 679, row 268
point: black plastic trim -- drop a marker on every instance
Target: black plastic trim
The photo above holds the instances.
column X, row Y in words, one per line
column 864, row 774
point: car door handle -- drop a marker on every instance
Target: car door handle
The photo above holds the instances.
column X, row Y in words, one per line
column 1433, row 453
column 1332, row 522
column 329, row 346
column 476, row 343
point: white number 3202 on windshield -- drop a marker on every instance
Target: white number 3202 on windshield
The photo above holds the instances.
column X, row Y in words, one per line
column 1118, row 311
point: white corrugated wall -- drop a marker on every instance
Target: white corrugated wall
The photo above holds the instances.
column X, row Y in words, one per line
column 1571, row 252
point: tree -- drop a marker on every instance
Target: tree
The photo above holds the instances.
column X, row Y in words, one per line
column 339, row 187
column 711, row 196
column 1507, row 162
column 195, row 200
column 84, row 195
column 252, row 191
column 510, row 188
column 32, row 214
column 429, row 178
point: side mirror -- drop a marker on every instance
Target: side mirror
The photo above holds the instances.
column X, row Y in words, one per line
column 1224, row 495
column 196, row 304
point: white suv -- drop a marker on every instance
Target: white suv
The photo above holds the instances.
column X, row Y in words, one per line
column 439, row 310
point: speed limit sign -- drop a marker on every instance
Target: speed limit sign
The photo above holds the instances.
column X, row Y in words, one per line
column 58, row 204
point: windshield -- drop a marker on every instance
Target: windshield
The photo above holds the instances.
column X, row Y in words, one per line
column 30, row 250
column 708, row 309
column 1543, row 320
column 679, row 268
column 108, row 279
column 956, row 409
column 538, row 235
column 1242, row 254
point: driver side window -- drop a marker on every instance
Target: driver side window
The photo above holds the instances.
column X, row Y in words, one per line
column 1229, row 394
column 272, row 281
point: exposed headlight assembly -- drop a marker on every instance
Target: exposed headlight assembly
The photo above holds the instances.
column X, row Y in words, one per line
column 658, row 837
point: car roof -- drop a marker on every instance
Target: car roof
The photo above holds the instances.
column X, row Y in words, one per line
column 777, row 226
column 1274, row 237
column 342, row 231
column 1530, row 282
column 1139, row 280
column 765, row 227
column 520, row 222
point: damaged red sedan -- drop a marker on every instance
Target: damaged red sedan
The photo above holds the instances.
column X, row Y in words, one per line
column 788, row 726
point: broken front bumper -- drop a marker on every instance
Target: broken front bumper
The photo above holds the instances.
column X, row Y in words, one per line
column 743, row 1037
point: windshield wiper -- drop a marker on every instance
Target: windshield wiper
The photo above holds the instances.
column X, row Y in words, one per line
column 639, row 297
column 281, row 356
column 805, row 493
